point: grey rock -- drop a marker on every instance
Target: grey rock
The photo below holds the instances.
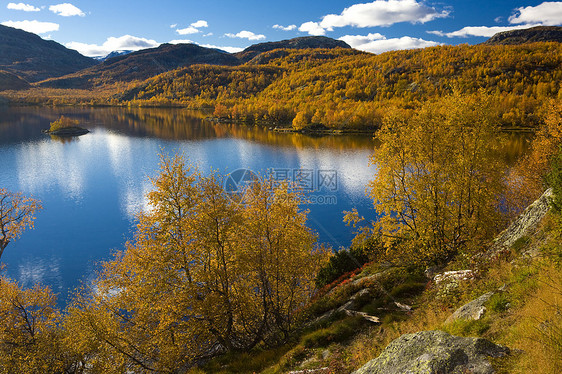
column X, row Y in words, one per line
column 473, row 310
column 435, row 352
column 448, row 282
column 525, row 224
column 348, row 308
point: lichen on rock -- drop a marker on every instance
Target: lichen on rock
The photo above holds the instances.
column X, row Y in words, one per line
column 435, row 352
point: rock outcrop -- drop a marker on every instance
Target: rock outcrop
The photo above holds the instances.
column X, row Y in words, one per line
column 473, row 310
column 524, row 225
column 530, row 35
column 435, row 352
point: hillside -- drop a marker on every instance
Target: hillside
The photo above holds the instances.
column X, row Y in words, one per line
column 531, row 35
column 498, row 313
column 10, row 81
column 346, row 89
column 33, row 58
column 306, row 42
column 142, row 64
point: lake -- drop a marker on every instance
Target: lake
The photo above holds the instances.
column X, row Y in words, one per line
column 92, row 187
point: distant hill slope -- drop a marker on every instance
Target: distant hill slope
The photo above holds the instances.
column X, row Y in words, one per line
column 147, row 63
column 305, row 42
column 143, row 64
column 344, row 88
column 534, row 34
column 34, row 59
column 10, row 81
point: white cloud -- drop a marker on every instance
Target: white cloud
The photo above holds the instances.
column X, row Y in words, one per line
column 358, row 40
column 22, row 6
column 209, row 34
column 200, row 24
column 66, row 10
column 285, row 28
column 227, row 49
column 376, row 13
column 312, row 28
column 482, row 31
column 187, row 30
column 122, row 43
column 246, row 35
column 193, row 28
column 380, row 13
column 34, row 26
column 377, row 43
column 547, row 13
column 181, row 41
column 173, row 26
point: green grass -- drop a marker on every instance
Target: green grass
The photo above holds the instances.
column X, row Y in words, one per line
column 335, row 333
column 499, row 302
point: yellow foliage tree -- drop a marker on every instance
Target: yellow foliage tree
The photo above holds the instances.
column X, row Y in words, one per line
column 16, row 214
column 528, row 177
column 28, row 330
column 439, row 183
column 206, row 274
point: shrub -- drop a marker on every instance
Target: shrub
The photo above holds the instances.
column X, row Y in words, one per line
column 347, row 260
column 63, row 122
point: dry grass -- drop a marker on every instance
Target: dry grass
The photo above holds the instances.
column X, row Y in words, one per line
column 537, row 330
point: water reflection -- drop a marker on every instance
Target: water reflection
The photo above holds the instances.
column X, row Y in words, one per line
column 46, row 164
column 40, row 271
column 93, row 187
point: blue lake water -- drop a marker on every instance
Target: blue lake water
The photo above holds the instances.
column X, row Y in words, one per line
column 92, row 187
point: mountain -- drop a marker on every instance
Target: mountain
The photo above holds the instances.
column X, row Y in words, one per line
column 305, row 42
column 143, row 64
column 147, row 63
column 534, row 34
column 34, row 59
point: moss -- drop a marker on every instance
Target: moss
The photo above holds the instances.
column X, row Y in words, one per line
column 520, row 244
column 468, row 327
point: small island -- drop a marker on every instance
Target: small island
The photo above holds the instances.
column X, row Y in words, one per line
column 65, row 126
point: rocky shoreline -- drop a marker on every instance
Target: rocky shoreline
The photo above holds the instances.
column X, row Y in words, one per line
column 68, row 131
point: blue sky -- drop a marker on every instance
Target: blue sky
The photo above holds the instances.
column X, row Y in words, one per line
column 98, row 27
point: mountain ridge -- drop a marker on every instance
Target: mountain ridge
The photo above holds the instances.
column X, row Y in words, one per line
column 147, row 63
column 304, row 42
